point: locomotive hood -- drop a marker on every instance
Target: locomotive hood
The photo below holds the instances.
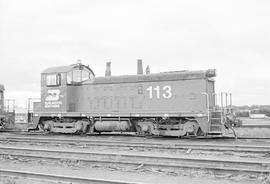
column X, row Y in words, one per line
column 166, row 76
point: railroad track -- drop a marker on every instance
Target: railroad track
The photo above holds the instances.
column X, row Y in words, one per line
column 26, row 133
column 60, row 178
column 141, row 160
column 255, row 149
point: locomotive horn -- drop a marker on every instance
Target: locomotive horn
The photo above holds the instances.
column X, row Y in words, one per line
column 108, row 69
column 139, row 67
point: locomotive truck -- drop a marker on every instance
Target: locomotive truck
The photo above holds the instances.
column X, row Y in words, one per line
column 177, row 103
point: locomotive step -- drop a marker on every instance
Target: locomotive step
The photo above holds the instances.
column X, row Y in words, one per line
column 216, row 121
column 216, row 114
column 216, row 125
column 215, row 129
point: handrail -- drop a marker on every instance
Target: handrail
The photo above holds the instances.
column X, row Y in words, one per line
column 225, row 101
column 207, row 104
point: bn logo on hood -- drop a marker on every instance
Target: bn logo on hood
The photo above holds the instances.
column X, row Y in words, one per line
column 52, row 99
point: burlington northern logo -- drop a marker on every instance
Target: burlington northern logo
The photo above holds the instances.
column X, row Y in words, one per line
column 53, row 95
column 53, row 99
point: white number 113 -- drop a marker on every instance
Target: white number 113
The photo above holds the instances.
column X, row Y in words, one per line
column 166, row 91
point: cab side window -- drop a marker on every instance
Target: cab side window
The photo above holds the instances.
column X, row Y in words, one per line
column 69, row 77
column 78, row 75
column 53, row 80
column 85, row 75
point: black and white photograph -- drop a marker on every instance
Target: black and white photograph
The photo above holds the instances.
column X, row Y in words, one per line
column 134, row 92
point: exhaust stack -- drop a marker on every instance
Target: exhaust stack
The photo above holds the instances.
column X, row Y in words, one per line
column 139, row 67
column 108, row 72
column 147, row 70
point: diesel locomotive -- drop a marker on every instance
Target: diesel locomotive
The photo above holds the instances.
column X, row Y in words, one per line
column 7, row 118
column 2, row 116
column 177, row 103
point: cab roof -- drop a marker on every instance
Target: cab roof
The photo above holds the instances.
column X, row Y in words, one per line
column 58, row 69
column 64, row 69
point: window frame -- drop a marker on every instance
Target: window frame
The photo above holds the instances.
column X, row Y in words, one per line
column 70, row 75
column 57, row 79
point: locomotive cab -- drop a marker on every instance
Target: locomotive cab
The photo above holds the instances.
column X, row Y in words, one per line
column 58, row 87
column 59, row 98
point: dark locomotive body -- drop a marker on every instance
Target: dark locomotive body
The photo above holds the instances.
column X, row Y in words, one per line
column 7, row 117
column 178, row 103
column 2, row 115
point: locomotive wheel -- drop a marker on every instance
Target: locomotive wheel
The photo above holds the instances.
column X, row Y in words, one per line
column 191, row 127
column 41, row 127
column 138, row 130
column 144, row 128
column 49, row 128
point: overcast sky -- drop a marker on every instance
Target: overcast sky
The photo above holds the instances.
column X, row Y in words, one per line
column 232, row 36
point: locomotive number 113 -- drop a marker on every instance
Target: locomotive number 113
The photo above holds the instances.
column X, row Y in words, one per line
column 165, row 91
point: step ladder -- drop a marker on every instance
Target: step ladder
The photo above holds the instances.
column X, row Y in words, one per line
column 216, row 121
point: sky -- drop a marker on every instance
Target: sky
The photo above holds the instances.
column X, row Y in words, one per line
column 231, row 36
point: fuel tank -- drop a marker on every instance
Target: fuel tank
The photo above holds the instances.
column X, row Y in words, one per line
column 112, row 126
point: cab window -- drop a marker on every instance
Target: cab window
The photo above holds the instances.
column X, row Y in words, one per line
column 78, row 75
column 85, row 75
column 53, row 80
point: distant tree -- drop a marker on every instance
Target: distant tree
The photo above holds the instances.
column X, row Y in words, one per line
column 242, row 114
column 242, row 111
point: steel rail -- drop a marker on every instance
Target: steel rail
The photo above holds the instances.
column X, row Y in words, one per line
column 248, row 166
column 255, row 126
column 62, row 178
column 255, row 138
column 148, row 145
column 133, row 134
column 23, row 132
